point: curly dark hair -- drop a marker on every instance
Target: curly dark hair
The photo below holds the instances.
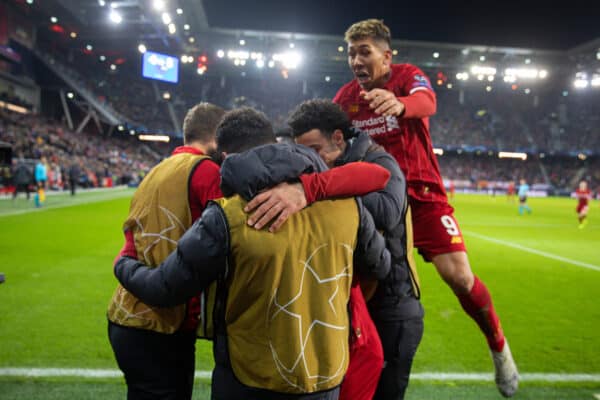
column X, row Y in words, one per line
column 201, row 121
column 319, row 114
column 242, row 129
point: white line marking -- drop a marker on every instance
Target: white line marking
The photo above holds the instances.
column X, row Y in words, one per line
column 421, row 376
column 597, row 396
column 489, row 377
column 74, row 372
column 75, row 202
column 534, row 251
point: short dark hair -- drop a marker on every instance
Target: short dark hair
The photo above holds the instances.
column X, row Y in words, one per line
column 369, row 29
column 242, row 129
column 319, row 114
column 201, row 121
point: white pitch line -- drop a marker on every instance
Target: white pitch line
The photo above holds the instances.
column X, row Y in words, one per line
column 421, row 376
column 76, row 202
column 74, row 372
column 534, row 251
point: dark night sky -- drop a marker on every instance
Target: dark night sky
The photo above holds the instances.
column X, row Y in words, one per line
column 488, row 22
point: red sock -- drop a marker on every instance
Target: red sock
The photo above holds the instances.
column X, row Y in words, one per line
column 478, row 304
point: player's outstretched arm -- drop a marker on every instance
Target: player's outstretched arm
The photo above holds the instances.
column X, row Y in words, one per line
column 197, row 261
column 279, row 203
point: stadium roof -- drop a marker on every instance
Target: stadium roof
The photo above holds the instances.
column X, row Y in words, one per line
column 497, row 24
column 565, row 37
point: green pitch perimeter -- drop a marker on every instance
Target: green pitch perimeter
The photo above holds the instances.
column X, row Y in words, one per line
column 543, row 272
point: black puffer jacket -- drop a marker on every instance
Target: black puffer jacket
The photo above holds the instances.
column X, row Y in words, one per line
column 395, row 298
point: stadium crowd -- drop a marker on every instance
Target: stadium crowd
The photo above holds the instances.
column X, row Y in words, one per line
column 101, row 161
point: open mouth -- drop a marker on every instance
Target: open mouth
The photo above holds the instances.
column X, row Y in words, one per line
column 362, row 76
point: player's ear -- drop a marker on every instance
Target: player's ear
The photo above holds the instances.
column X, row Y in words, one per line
column 337, row 137
column 387, row 57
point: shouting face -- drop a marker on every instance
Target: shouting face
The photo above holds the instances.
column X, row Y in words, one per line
column 370, row 61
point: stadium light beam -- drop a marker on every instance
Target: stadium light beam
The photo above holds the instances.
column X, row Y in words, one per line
column 13, row 107
column 158, row 5
column 509, row 154
column 115, row 17
column 289, row 60
column 166, row 18
column 154, row 138
column 483, row 70
column 142, row 48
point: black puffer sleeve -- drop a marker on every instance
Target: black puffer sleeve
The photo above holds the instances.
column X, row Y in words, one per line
column 198, row 260
column 387, row 206
column 371, row 258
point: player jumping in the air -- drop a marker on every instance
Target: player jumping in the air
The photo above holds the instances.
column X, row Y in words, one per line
column 393, row 103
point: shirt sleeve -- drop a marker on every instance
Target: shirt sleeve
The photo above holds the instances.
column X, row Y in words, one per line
column 198, row 260
column 418, row 95
column 352, row 179
column 420, row 104
column 204, row 184
column 128, row 249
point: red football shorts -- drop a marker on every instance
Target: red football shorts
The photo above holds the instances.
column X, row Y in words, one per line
column 582, row 208
column 435, row 230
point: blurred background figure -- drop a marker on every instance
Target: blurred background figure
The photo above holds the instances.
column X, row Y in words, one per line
column 584, row 195
column 523, row 192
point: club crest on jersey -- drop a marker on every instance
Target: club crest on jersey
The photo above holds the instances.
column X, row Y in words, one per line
column 391, row 123
column 353, row 108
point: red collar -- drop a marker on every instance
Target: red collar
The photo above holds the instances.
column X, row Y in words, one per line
column 187, row 149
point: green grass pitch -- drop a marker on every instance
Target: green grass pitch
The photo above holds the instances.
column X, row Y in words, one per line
column 543, row 273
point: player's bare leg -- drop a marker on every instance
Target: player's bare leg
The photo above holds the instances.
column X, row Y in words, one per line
column 476, row 300
column 582, row 218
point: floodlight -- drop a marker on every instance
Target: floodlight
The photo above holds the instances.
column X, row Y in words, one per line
column 115, row 17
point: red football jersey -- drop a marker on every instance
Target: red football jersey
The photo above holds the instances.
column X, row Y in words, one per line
column 583, row 196
column 407, row 139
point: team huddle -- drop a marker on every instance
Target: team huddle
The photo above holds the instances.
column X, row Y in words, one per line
column 296, row 259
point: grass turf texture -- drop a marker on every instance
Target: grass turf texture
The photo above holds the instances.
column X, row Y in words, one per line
column 58, row 260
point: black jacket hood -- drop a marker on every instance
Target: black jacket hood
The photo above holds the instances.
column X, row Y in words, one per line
column 265, row 166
